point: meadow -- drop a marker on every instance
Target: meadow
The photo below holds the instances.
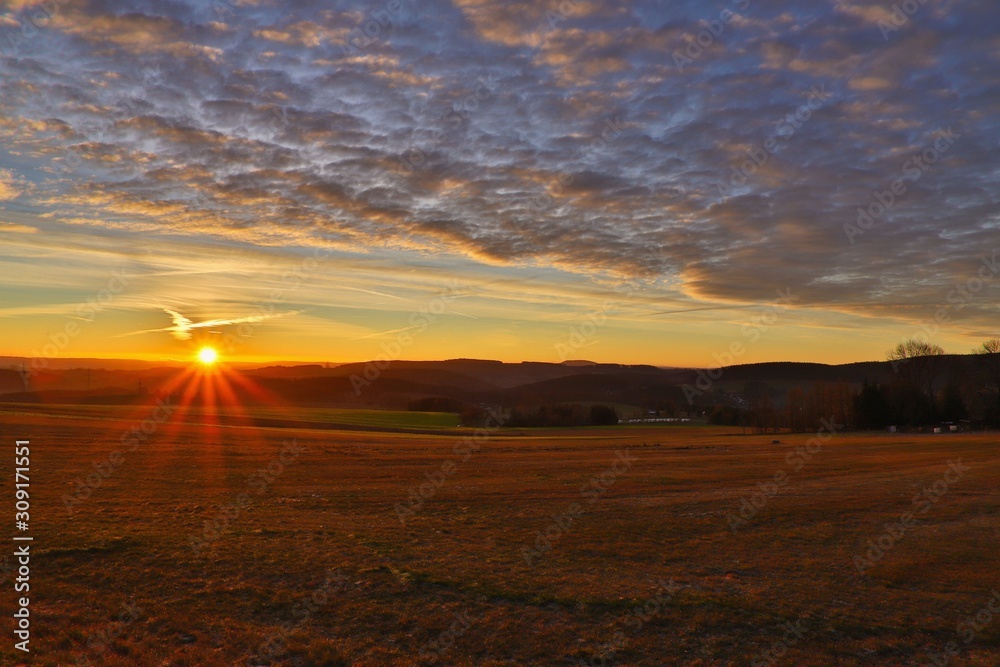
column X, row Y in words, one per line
column 204, row 542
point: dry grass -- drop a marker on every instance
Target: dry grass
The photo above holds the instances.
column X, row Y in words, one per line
column 399, row 587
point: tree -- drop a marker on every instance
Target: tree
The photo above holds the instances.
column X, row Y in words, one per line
column 763, row 416
column 990, row 371
column 872, row 406
column 917, row 366
column 912, row 349
column 953, row 404
column 603, row 415
column 724, row 415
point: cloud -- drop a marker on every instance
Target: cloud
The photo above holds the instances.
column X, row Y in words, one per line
column 9, row 188
column 15, row 228
column 505, row 136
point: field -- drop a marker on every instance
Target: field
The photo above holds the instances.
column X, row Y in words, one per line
column 204, row 542
column 384, row 419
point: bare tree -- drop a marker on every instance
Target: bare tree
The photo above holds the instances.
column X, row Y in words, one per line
column 912, row 348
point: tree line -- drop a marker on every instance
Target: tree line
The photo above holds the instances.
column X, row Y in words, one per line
column 925, row 388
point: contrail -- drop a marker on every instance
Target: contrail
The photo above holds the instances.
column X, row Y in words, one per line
column 385, row 333
column 181, row 329
column 369, row 291
column 703, row 308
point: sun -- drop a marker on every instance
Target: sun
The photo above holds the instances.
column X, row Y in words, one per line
column 208, row 355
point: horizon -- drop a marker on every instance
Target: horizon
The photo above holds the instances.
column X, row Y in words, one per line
column 13, row 362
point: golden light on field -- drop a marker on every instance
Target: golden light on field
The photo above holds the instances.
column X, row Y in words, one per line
column 208, row 356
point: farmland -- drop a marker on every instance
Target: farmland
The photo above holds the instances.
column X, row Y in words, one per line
column 213, row 543
column 201, row 414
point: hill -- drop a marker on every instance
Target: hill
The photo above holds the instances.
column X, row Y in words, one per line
column 470, row 385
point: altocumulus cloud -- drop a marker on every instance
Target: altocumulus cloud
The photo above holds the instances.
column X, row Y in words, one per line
column 264, row 124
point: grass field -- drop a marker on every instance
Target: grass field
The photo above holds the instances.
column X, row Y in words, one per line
column 198, row 414
column 211, row 545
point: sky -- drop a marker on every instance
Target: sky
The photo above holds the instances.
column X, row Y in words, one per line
column 671, row 183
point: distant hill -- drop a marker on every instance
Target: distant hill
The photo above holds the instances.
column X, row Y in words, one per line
column 10, row 381
column 613, row 386
column 291, row 372
column 793, row 371
column 467, row 381
column 63, row 363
